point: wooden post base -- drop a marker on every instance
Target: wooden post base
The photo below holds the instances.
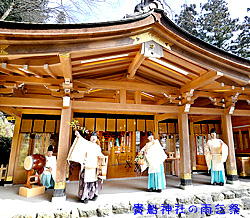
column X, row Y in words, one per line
column 232, row 178
column 31, row 192
column 186, row 182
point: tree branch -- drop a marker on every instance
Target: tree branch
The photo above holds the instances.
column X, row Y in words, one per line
column 7, row 13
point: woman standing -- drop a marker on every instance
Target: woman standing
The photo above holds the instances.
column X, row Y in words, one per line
column 155, row 157
column 216, row 152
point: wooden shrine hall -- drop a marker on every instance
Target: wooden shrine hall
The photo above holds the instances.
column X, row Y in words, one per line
column 120, row 78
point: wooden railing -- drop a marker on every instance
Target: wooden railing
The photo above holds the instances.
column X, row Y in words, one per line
column 3, row 172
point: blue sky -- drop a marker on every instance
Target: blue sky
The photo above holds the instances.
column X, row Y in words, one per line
column 116, row 9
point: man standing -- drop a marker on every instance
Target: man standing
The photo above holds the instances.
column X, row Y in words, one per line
column 86, row 153
column 216, row 152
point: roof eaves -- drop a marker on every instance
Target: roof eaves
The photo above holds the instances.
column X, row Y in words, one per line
column 193, row 39
column 45, row 26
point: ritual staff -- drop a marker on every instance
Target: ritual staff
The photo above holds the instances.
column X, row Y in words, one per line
column 154, row 160
column 49, row 174
column 86, row 153
column 216, row 152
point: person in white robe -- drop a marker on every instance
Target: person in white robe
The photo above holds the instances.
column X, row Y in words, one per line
column 49, row 173
column 86, row 153
column 154, row 161
column 216, row 152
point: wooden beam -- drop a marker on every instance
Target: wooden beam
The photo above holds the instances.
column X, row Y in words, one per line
column 137, row 77
column 166, row 71
column 114, row 112
column 11, row 111
column 142, row 76
column 207, row 111
column 101, row 70
column 65, row 60
column 209, row 94
column 128, row 85
column 83, row 68
column 203, row 117
column 5, row 71
column 25, row 69
column 161, row 117
column 32, row 80
column 176, row 58
column 6, row 91
column 13, row 69
column 160, row 76
column 229, row 90
column 239, row 112
column 137, row 61
column 41, row 111
column 30, row 102
column 238, row 79
column 244, row 97
column 203, row 80
column 48, row 71
column 101, row 106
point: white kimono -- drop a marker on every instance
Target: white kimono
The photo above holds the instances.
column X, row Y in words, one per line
column 86, row 153
column 154, row 155
column 50, row 162
column 216, row 152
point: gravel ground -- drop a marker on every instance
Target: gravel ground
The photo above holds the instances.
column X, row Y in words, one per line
column 118, row 198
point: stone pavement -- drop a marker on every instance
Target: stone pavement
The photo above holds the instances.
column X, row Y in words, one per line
column 120, row 205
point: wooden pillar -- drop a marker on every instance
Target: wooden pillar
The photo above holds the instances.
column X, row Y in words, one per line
column 156, row 128
column 241, row 146
column 13, row 152
column 227, row 132
column 192, row 146
column 123, row 97
column 63, row 148
column 248, row 138
column 137, row 97
column 185, row 162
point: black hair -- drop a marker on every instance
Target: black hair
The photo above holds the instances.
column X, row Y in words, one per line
column 212, row 131
column 82, row 133
column 149, row 133
column 94, row 134
column 50, row 148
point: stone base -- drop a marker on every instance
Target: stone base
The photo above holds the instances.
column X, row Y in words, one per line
column 59, row 193
column 8, row 184
column 31, row 192
column 186, row 182
column 232, row 177
column 186, row 187
column 233, row 182
column 58, row 200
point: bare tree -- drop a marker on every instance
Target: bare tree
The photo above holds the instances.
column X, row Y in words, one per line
column 24, row 10
column 40, row 11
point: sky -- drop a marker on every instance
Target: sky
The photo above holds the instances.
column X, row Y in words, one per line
column 116, row 9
